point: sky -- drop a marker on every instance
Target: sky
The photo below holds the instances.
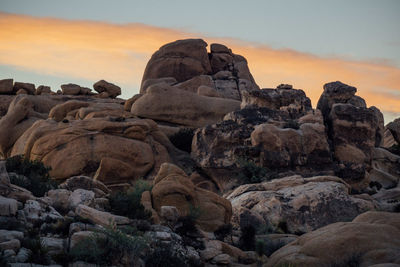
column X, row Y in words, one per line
column 305, row 43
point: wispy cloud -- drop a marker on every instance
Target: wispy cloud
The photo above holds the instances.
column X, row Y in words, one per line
column 95, row 50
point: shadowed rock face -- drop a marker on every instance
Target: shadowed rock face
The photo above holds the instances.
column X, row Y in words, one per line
column 275, row 127
column 353, row 131
column 371, row 238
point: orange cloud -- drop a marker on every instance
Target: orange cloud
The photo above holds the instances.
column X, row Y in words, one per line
column 119, row 53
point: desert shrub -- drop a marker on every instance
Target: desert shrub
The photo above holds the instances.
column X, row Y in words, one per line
column 57, row 227
column 223, row 231
column 264, row 229
column 183, row 139
column 247, row 238
column 128, row 203
column 293, row 124
column 251, row 173
column 260, row 247
column 39, row 253
column 109, row 246
column 164, row 256
column 32, row 175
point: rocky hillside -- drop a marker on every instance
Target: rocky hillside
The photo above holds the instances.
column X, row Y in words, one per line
column 202, row 168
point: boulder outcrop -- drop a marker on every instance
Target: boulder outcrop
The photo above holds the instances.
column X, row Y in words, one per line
column 302, row 204
column 183, row 108
column 371, row 238
column 353, row 130
column 111, row 151
column 185, row 65
column 172, row 187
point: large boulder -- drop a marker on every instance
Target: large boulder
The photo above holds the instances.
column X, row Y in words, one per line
column 182, row 107
column 104, row 86
column 185, row 74
column 338, row 92
column 29, row 88
column 182, row 60
column 385, row 169
column 353, row 131
column 394, row 128
column 294, row 100
column 172, row 187
column 302, row 204
column 6, row 86
column 111, row 151
column 371, row 238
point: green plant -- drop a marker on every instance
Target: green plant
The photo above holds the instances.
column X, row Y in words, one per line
column 265, row 229
column 128, row 203
column 32, row 175
column 223, row 231
column 251, row 172
column 293, row 124
column 109, row 246
column 39, row 252
column 183, row 139
column 247, row 238
column 260, row 247
column 57, row 227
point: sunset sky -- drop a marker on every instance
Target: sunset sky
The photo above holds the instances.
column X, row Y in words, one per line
column 304, row 43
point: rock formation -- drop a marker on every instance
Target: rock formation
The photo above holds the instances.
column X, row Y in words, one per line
column 240, row 175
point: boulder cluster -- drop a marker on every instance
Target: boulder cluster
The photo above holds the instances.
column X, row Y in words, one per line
column 201, row 168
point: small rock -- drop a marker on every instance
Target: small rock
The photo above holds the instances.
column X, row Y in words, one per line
column 70, row 89
column 169, row 213
column 221, row 259
column 8, row 206
column 21, row 92
column 284, row 86
column 28, row 87
column 54, row 245
column 59, row 198
column 23, row 255
column 81, row 196
column 42, row 89
column 13, row 244
column 6, row 86
column 7, row 235
column 8, row 253
column 100, row 217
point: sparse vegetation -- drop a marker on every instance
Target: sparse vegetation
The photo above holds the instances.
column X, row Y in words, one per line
column 250, row 172
column 128, row 203
column 164, row 256
column 183, row 139
column 247, row 239
column 109, row 246
column 292, row 124
column 39, row 252
column 223, row 231
column 32, row 175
